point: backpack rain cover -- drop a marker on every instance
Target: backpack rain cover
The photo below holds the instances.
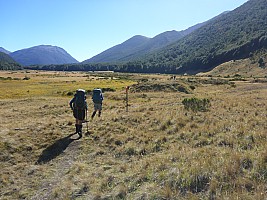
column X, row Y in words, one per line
column 97, row 96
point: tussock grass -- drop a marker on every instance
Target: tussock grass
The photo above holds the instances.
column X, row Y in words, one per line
column 157, row 150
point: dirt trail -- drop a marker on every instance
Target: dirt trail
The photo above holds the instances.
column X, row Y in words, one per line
column 62, row 164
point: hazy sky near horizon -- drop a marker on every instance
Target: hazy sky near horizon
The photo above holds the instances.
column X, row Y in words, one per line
column 85, row 28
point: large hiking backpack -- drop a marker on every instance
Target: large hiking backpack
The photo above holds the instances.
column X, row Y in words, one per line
column 80, row 98
column 97, row 96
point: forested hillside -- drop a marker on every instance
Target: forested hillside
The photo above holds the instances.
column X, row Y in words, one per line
column 235, row 35
column 7, row 63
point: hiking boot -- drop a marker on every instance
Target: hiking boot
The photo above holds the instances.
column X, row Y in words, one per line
column 80, row 134
column 80, row 130
column 77, row 128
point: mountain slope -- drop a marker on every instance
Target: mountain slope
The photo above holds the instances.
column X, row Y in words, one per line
column 157, row 42
column 42, row 55
column 255, row 66
column 4, row 50
column 140, row 45
column 235, row 35
column 117, row 52
column 7, row 63
column 134, row 47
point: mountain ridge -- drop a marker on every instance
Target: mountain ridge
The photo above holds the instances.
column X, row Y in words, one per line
column 4, row 50
column 42, row 55
column 129, row 44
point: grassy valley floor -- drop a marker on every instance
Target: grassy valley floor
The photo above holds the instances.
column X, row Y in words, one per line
column 156, row 150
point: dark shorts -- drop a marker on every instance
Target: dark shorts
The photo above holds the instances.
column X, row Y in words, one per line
column 98, row 106
column 79, row 114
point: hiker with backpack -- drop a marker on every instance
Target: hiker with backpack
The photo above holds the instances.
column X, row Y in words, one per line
column 97, row 98
column 79, row 107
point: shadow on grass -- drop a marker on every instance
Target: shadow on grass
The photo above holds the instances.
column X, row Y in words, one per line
column 55, row 149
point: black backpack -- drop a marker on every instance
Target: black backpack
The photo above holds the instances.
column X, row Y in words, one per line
column 80, row 99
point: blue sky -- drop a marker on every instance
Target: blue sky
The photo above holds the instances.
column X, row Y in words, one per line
column 85, row 28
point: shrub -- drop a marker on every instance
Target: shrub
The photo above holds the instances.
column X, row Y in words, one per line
column 108, row 90
column 196, row 104
column 26, row 78
column 192, row 87
column 70, row 93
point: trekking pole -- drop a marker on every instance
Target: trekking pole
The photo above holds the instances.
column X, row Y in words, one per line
column 127, row 89
column 87, row 121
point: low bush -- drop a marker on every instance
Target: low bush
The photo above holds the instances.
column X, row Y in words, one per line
column 196, row 104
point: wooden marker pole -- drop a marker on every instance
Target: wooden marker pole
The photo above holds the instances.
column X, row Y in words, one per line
column 127, row 98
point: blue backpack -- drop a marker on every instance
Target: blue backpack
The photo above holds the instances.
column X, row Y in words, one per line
column 97, row 96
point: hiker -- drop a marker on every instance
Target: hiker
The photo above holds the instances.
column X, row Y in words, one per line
column 97, row 98
column 79, row 107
